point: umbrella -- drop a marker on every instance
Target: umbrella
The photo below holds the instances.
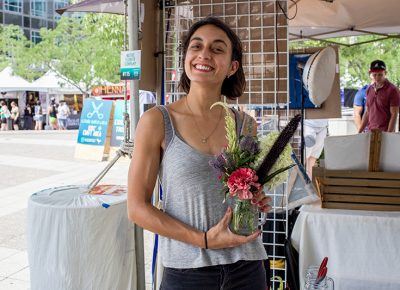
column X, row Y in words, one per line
column 98, row 6
column 321, row 19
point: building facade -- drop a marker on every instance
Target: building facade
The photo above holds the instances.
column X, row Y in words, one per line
column 31, row 15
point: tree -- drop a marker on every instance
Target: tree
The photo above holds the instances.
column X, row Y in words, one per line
column 85, row 51
column 13, row 43
column 355, row 60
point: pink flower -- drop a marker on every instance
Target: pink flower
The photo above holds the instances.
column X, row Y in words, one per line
column 243, row 182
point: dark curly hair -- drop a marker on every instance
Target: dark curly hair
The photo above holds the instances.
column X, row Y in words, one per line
column 232, row 87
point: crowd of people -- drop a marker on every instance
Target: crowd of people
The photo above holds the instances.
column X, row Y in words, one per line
column 33, row 116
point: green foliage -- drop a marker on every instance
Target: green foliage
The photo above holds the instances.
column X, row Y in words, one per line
column 13, row 43
column 86, row 51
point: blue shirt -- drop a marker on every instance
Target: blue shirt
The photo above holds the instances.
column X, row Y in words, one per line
column 360, row 99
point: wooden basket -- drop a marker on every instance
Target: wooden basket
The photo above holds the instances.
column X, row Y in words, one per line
column 362, row 190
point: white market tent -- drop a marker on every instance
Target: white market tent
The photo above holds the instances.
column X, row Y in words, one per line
column 321, row 19
column 12, row 83
column 51, row 82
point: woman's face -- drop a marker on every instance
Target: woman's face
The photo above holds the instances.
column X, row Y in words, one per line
column 209, row 56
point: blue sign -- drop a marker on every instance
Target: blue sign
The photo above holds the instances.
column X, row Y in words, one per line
column 94, row 122
column 117, row 135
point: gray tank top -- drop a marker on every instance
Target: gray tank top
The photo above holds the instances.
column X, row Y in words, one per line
column 192, row 194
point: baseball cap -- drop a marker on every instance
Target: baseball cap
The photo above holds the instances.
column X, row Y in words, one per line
column 377, row 65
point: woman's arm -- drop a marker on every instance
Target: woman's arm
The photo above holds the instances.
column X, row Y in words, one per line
column 142, row 176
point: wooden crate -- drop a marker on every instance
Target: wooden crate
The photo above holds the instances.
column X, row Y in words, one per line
column 361, row 190
column 364, row 190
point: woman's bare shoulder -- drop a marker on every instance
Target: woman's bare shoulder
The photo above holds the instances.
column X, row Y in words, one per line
column 151, row 123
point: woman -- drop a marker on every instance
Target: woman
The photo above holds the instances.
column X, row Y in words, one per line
column 38, row 117
column 4, row 115
column 28, row 117
column 15, row 115
column 197, row 248
column 52, row 112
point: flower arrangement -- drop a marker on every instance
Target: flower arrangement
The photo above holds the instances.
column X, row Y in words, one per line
column 247, row 164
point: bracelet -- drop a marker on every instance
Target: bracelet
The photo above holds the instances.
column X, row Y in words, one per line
column 205, row 240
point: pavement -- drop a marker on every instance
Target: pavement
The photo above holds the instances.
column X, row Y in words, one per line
column 29, row 162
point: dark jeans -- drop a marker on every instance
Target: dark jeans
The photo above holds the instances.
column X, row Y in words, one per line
column 242, row 275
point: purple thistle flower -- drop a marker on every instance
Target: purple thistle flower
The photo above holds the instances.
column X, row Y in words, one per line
column 218, row 163
column 249, row 144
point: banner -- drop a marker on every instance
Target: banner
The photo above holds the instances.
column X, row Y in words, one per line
column 117, row 134
column 94, row 122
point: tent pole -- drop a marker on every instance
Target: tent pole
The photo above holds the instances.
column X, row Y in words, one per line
column 133, row 25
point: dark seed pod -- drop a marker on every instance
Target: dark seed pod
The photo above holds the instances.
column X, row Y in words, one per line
column 276, row 149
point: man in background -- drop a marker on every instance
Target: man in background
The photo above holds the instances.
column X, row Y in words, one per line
column 359, row 103
column 63, row 113
column 383, row 100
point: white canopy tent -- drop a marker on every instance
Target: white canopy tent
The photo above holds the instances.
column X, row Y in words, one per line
column 51, row 82
column 12, row 83
column 321, row 19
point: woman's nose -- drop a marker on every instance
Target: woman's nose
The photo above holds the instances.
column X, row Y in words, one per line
column 205, row 53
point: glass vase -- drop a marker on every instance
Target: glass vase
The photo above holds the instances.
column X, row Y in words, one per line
column 245, row 217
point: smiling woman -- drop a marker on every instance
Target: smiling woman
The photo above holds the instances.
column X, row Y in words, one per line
column 177, row 142
column 225, row 42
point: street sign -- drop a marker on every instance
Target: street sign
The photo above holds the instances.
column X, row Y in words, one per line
column 130, row 65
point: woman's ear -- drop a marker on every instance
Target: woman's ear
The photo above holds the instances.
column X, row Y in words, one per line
column 234, row 67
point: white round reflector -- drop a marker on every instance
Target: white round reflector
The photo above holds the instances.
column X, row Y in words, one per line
column 319, row 74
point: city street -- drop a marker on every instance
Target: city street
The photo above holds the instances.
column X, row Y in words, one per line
column 31, row 161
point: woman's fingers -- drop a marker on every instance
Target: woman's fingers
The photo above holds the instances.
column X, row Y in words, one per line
column 262, row 201
column 220, row 235
column 227, row 217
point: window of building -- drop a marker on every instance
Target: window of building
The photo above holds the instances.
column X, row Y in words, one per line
column 13, row 5
column 35, row 36
column 27, row 22
column 12, row 18
column 39, row 8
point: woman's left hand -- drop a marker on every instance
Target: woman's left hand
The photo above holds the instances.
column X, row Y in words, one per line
column 262, row 201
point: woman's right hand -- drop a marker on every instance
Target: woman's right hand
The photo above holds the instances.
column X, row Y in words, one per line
column 220, row 236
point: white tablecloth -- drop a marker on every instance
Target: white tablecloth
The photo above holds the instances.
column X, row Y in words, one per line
column 79, row 241
column 363, row 246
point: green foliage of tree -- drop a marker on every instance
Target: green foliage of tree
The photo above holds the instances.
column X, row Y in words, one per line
column 86, row 51
column 355, row 60
column 13, row 43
